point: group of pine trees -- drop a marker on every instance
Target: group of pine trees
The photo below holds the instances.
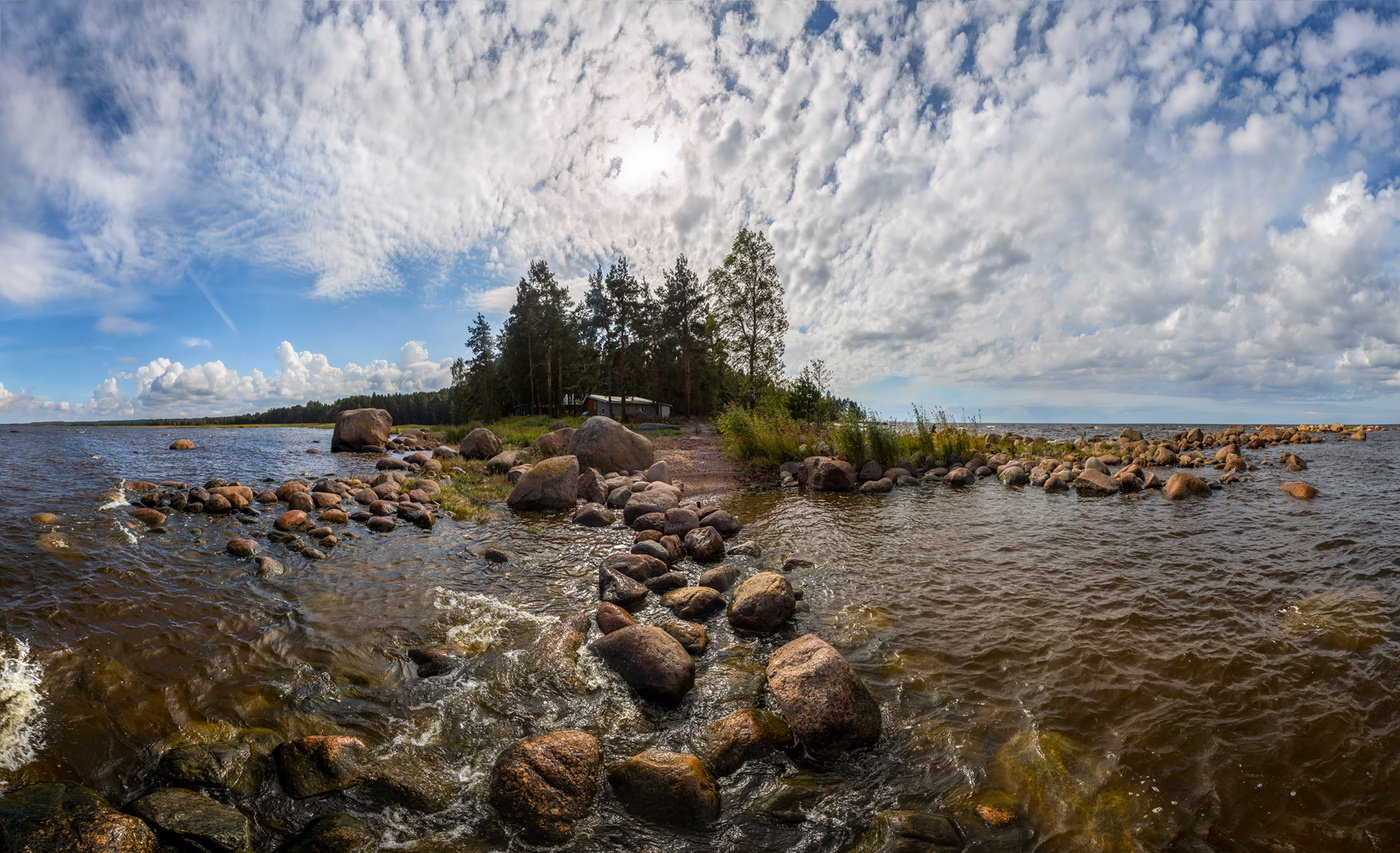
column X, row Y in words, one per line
column 694, row 345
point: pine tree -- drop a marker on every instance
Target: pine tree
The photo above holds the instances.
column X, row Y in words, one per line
column 748, row 301
column 683, row 305
column 625, row 295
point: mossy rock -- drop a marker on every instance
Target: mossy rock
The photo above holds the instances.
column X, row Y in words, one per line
column 1353, row 619
column 1075, row 797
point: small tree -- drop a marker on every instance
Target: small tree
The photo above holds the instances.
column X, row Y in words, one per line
column 809, row 395
column 748, row 299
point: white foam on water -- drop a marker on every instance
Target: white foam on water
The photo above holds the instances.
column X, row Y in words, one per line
column 484, row 619
column 116, row 497
column 21, row 719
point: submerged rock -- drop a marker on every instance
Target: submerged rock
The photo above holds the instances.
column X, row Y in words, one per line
column 61, row 817
column 438, row 660
column 1073, row 795
column 1339, row 619
column 901, row 831
column 333, row 833
column 319, row 764
column 666, row 787
column 544, row 784
column 594, row 515
column 231, row 766
column 196, row 820
column 825, row 703
column 653, row 662
column 1301, row 491
column 738, row 737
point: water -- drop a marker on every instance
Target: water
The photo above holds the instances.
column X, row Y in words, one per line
column 1180, row 649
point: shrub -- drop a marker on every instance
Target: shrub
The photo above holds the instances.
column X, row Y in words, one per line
column 767, row 435
column 849, row 439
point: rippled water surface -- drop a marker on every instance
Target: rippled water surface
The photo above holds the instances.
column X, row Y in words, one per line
column 1189, row 649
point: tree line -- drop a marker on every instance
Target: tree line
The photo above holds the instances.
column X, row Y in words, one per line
column 697, row 346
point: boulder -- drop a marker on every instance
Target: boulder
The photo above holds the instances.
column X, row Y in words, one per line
column 692, row 602
column 762, row 603
column 358, row 428
column 648, row 502
column 638, row 567
column 591, row 488
column 502, row 462
column 611, row 618
column 607, row 445
column 61, row 817
column 1301, row 491
column 552, row 484
column 739, row 737
column 1184, row 485
column 876, row 487
column 653, row 662
column 555, row 443
column 1130, row 434
column 149, row 517
column 196, row 820
column 544, row 784
column 480, row 443
column 182, row 444
column 870, row 472
column 692, row 637
column 1013, row 475
column 594, row 515
column 719, row 578
column 666, row 787
column 726, row 524
column 824, row 702
column 667, row 582
column 960, row 477
column 679, row 521
column 319, row 764
column 825, row 474
column 1094, row 483
column 659, row 472
column 333, row 833
column 902, row 831
column 230, row 765
column 617, row 588
column 704, row 544
column 438, row 660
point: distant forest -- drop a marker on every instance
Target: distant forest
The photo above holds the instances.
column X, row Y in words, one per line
column 421, row 407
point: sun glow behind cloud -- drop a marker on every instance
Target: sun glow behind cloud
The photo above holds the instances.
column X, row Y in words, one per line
column 645, row 158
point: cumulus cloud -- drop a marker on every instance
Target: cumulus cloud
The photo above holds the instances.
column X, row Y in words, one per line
column 1107, row 196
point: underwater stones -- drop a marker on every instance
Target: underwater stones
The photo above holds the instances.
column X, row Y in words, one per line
column 319, row 764
column 1094, row 483
column 746, row 549
column 638, row 567
column 413, row 784
column 196, row 820
column 149, row 517
column 552, row 484
column 762, row 603
column 825, row 474
column 1185, row 485
column 653, row 662
column 594, row 515
column 692, row 602
column 1340, row 619
column 607, row 445
column 44, row 519
column 1301, row 491
column 437, row 660
column 1076, row 796
column 704, row 544
column 617, row 588
column 611, row 618
column 825, row 703
column 745, row 734
column 666, row 787
column 268, row 567
column 356, row 429
column 903, row 831
column 61, row 817
column 553, row 654
column 231, row 766
column 333, row 833
column 242, row 547
column 692, row 637
column 543, row 784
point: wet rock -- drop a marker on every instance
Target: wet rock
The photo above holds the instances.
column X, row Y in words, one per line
column 679, row 521
column 670, row 788
column 217, row 505
column 230, row 765
column 1127, row 481
column 502, row 462
column 438, row 660
column 357, row 428
column 44, row 519
column 794, row 564
column 334, row 516
column 324, row 500
column 900, row 831
column 617, row 588
column 704, row 544
column 762, row 603
column 652, row 548
column 1301, row 491
column 410, row 783
column 419, row 516
column 654, row 522
column 607, row 445
column 876, row 487
column 553, row 655
column 61, row 817
column 319, row 764
column 746, row 549
column 292, row 519
column 650, row 501
column 1352, row 619
column 1075, row 796
column 719, row 578
column 333, row 833
column 242, row 547
column 666, row 582
column 196, row 820
column 301, row 501
column 653, row 662
column 594, row 515
column 611, row 618
column 692, row 637
column 149, row 517
column 741, row 736
column 638, row 567
column 692, row 602
column 726, row 524
column 675, row 549
column 960, row 477
column 381, row 524
column 825, row 703
column 1013, row 475
column 383, row 507
column 269, row 568
column 1184, row 485
column 544, row 784
column 591, row 488
column 825, row 474
column 554, row 443
column 182, row 444
column 480, row 443
column 1094, row 483
column 789, row 799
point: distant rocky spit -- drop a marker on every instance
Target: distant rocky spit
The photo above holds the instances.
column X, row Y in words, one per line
column 810, row 704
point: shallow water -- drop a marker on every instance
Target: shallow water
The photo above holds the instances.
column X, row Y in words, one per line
column 1177, row 643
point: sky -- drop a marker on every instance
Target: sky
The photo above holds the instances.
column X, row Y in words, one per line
column 1162, row 212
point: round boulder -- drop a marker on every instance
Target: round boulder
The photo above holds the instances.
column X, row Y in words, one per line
column 762, row 603
column 825, row 474
column 1183, row 485
column 692, row 602
column 666, row 787
column 544, row 784
column 359, row 428
column 704, row 544
column 743, row 735
column 611, row 618
column 650, row 660
column 552, row 484
column 1301, row 491
column 182, row 444
column 825, row 703
column 607, row 445
column 594, row 515
column 480, row 443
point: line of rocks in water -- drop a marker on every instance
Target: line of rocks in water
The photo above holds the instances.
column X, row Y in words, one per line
column 1085, row 465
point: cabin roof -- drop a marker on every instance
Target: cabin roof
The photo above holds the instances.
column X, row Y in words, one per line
column 641, row 401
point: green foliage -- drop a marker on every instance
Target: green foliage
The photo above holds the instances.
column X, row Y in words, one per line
column 809, row 396
column 886, row 444
column 747, row 298
column 849, row 439
column 766, row 435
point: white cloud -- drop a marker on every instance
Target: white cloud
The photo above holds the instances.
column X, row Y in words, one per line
column 196, row 342
column 969, row 194
column 114, row 324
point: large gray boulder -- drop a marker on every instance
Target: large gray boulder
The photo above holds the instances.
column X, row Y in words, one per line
column 607, row 445
column 825, row 474
column 552, row 484
column 480, row 443
column 359, row 428
column 822, row 698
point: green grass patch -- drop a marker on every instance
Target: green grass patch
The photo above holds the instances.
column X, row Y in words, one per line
column 768, row 435
column 472, row 494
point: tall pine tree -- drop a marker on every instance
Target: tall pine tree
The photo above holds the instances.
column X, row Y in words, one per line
column 748, row 301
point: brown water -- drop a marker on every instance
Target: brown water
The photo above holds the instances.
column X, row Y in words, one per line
column 1164, row 639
